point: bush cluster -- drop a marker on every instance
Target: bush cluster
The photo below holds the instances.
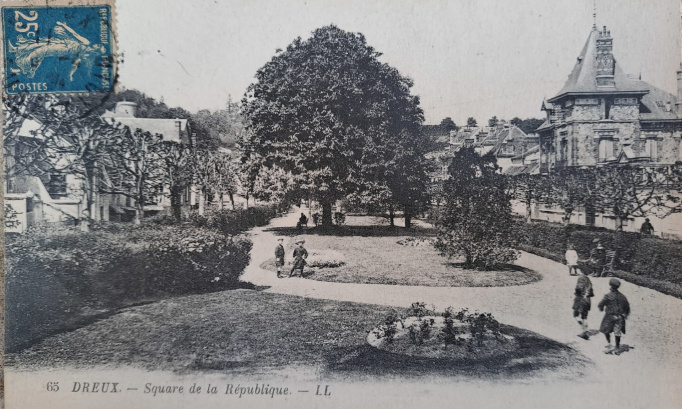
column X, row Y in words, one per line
column 132, row 261
column 637, row 254
column 229, row 222
column 55, row 275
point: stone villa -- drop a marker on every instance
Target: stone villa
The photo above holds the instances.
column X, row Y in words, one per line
column 603, row 116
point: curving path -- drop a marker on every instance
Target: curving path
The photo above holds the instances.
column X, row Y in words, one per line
column 648, row 376
column 652, row 367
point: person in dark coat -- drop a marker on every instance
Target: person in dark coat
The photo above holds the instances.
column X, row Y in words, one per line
column 279, row 257
column 582, row 302
column 616, row 310
column 302, row 221
column 597, row 261
column 300, row 254
column 647, row 227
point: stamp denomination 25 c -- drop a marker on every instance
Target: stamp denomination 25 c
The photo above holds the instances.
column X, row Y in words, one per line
column 58, row 47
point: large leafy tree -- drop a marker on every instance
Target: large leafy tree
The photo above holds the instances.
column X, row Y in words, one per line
column 448, row 124
column 409, row 176
column 327, row 112
column 477, row 222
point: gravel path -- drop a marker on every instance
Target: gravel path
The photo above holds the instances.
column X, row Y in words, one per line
column 651, row 368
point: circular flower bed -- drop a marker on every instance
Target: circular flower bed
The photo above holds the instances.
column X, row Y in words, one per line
column 422, row 332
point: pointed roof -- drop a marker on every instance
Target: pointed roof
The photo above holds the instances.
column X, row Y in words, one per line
column 583, row 77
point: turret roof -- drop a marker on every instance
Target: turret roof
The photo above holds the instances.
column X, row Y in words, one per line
column 583, row 77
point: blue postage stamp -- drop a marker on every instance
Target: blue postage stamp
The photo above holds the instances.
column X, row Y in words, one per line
column 58, row 47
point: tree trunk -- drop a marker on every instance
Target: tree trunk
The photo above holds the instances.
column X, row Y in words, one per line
column 232, row 200
column 139, row 211
column 326, row 214
column 222, row 200
column 92, row 195
column 391, row 216
column 176, row 208
column 408, row 218
column 202, row 201
column 589, row 214
column 529, row 210
column 469, row 260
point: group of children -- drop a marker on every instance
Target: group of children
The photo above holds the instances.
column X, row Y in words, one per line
column 300, row 255
column 614, row 304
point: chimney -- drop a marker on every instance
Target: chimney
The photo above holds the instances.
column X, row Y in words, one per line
column 605, row 64
column 125, row 109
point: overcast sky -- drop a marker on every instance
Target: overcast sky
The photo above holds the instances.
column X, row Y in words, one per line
column 467, row 57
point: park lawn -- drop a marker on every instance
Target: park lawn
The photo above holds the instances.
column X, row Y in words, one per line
column 373, row 255
column 258, row 334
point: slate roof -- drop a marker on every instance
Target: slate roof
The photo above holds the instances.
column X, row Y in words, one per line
column 582, row 79
column 167, row 127
column 533, row 149
column 657, row 102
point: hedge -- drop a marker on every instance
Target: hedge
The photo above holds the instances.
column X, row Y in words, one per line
column 57, row 277
column 229, row 222
column 654, row 260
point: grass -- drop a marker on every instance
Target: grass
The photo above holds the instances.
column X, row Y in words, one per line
column 372, row 255
column 252, row 333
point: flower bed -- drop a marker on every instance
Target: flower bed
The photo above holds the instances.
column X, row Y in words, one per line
column 424, row 333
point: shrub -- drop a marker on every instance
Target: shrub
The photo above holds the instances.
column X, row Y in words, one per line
column 419, row 309
column 55, row 274
column 389, row 328
column 229, row 222
column 339, row 218
column 645, row 256
column 449, row 334
column 476, row 222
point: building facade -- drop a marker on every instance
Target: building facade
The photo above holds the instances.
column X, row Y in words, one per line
column 604, row 116
column 41, row 196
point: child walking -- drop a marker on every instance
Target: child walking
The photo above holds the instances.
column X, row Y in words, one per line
column 571, row 260
column 279, row 257
column 300, row 254
column 616, row 310
column 582, row 302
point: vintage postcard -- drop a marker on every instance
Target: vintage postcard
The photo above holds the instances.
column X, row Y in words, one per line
column 342, row 203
